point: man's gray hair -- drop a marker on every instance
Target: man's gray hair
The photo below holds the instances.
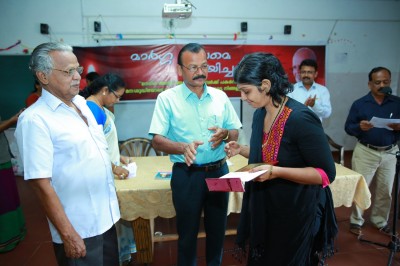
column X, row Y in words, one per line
column 41, row 59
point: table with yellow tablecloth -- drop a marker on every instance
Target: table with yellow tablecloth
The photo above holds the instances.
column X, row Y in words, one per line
column 143, row 198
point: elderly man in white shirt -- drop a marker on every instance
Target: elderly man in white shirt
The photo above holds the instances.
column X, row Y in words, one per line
column 310, row 93
column 65, row 159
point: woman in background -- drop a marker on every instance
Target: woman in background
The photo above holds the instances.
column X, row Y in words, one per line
column 12, row 222
column 35, row 94
column 102, row 93
column 287, row 213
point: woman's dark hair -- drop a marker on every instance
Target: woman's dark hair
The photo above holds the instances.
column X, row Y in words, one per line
column 34, row 86
column 112, row 81
column 255, row 67
column 92, row 76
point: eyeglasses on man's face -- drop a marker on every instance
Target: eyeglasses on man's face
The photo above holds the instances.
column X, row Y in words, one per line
column 70, row 72
column 193, row 68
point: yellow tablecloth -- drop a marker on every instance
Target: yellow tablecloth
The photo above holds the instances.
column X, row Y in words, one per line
column 143, row 198
column 349, row 187
column 146, row 197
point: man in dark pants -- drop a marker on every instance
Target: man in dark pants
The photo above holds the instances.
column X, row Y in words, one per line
column 190, row 122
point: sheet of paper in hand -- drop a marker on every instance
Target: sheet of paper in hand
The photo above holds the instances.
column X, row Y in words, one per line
column 252, row 165
column 383, row 122
column 132, row 168
column 233, row 181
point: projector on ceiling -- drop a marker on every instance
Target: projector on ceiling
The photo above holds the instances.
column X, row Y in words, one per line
column 181, row 11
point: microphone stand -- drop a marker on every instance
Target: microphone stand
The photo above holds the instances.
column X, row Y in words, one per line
column 394, row 244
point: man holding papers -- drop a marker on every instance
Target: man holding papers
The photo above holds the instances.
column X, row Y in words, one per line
column 374, row 153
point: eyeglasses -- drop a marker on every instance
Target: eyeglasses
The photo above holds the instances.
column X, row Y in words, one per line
column 70, row 72
column 193, row 69
column 116, row 95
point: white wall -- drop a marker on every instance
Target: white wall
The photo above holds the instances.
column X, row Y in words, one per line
column 358, row 34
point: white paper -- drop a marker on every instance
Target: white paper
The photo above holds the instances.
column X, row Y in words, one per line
column 244, row 176
column 132, row 168
column 383, row 122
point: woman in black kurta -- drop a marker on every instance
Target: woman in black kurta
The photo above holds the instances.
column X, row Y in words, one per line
column 287, row 214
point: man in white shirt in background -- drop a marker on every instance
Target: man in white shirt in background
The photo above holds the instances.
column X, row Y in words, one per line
column 312, row 94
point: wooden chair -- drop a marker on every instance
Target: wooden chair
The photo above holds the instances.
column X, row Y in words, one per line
column 338, row 147
column 138, row 147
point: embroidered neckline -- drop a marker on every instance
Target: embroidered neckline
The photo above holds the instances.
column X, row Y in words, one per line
column 273, row 122
column 270, row 148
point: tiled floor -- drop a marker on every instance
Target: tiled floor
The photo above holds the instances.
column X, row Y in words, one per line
column 36, row 248
column 350, row 251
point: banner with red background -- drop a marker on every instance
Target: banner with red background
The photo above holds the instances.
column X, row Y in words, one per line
column 149, row 69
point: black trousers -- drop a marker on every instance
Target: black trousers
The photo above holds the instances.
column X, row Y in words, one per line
column 101, row 250
column 190, row 197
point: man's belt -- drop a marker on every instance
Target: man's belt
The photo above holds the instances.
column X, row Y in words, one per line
column 378, row 148
column 207, row 167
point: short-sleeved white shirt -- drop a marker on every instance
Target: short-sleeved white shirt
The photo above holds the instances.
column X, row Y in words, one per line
column 55, row 142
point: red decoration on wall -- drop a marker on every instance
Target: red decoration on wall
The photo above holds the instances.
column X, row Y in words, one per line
column 10, row 47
